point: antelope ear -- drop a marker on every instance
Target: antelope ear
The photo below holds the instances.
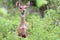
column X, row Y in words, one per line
column 28, row 4
column 17, row 4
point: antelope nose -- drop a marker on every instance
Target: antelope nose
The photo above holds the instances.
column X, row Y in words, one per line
column 23, row 10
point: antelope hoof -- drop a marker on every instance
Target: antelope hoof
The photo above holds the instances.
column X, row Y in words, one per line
column 23, row 35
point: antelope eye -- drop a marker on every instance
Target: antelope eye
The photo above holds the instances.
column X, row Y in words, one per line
column 20, row 8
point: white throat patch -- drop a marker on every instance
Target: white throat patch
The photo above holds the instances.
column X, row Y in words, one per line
column 22, row 15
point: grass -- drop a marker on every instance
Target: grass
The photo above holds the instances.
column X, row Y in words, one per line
column 38, row 28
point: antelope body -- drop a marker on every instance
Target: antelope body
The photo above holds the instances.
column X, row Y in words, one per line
column 22, row 26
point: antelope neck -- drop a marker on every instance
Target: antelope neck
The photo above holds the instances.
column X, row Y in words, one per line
column 22, row 18
column 23, row 21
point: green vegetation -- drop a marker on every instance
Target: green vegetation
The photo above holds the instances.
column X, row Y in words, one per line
column 39, row 29
column 47, row 28
column 41, row 2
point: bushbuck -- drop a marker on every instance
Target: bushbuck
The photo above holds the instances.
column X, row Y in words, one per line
column 21, row 29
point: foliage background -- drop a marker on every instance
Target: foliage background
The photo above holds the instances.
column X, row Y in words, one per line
column 47, row 28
